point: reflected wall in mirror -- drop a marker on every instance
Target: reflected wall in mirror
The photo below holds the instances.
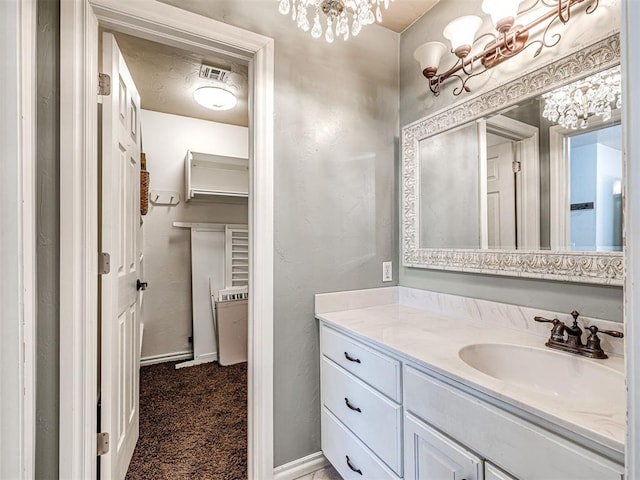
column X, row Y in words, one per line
column 518, row 180
column 534, row 166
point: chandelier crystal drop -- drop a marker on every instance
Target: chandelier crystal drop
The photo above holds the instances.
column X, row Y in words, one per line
column 572, row 105
column 342, row 18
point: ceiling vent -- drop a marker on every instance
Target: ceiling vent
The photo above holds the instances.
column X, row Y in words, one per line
column 214, row 73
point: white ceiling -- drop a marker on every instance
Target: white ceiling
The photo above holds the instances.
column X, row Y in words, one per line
column 167, row 76
column 402, row 13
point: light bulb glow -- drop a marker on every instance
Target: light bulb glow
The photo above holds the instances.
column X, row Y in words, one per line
column 501, row 10
column 461, row 32
column 215, row 98
column 429, row 55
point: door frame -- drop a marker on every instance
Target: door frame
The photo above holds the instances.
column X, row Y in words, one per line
column 79, row 212
column 18, row 237
column 528, row 191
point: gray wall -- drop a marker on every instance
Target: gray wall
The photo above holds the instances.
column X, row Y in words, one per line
column 48, row 234
column 416, row 102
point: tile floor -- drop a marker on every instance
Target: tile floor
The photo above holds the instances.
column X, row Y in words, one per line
column 327, row 473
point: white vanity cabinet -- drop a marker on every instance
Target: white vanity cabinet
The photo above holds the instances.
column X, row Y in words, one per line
column 362, row 413
column 385, row 416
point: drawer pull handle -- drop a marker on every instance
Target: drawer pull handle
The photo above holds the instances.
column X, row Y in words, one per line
column 346, row 400
column 351, row 359
column 351, row 466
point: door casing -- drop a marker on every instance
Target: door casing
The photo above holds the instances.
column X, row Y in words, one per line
column 166, row 24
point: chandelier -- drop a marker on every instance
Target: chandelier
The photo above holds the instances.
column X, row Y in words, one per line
column 476, row 55
column 572, row 105
column 343, row 17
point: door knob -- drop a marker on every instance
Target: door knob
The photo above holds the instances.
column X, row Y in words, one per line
column 141, row 285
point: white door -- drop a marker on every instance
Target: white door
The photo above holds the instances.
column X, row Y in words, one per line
column 501, row 195
column 120, row 237
column 429, row 455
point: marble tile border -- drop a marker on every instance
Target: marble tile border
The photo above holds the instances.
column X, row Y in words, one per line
column 353, row 299
column 465, row 308
column 504, row 314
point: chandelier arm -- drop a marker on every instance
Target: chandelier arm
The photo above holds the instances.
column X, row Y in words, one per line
column 591, row 8
column 540, row 44
column 461, row 88
column 463, row 82
column 561, row 8
column 435, row 90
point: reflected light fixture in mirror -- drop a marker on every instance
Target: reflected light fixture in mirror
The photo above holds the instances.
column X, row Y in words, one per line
column 505, row 42
column 215, row 98
column 573, row 104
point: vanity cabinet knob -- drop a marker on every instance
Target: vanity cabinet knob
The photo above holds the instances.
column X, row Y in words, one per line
column 357, row 409
column 352, row 467
column 351, row 359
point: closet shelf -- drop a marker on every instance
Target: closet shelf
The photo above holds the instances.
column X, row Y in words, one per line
column 209, row 176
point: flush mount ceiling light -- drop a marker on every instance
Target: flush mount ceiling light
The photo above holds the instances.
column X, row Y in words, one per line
column 346, row 16
column 572, row 105
column 215, row 98
column 477, row 55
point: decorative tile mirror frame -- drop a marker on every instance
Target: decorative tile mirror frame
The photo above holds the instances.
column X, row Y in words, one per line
column 605, row 268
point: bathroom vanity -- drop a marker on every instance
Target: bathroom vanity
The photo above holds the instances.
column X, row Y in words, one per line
column 419, row 385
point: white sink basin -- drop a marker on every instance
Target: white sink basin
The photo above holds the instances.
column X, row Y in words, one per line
column 559, row 374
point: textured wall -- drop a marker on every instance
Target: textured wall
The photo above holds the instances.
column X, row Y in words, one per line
column 336, row 119
column 48, row 246
column 416, row 102
column 167, row 249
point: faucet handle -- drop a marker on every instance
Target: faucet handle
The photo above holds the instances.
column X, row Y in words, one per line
column 614, row 333
column 546, row 320
column 593, row 342
column 557, row 332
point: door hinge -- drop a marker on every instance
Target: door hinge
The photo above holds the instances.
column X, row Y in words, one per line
column 104, row 84
column 103, row 443
column 516, row 167
column 104, row 263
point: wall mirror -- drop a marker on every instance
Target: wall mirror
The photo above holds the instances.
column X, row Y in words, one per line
column 518, row 180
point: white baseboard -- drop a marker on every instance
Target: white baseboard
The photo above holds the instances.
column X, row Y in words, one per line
column 302, row 466
column 206, row 358
column 166, row 357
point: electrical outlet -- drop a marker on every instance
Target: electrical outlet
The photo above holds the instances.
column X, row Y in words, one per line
column 387, row 271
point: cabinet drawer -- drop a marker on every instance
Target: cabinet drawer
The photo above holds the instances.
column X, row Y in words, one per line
column 373, row 418
column 514, row 444
column 375, row 368
column 348, row 455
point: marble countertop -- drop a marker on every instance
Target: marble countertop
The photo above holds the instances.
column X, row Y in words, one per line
column 433, row 340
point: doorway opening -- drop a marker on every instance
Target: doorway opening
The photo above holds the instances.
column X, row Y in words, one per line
column 79, row 224
column 178, row 239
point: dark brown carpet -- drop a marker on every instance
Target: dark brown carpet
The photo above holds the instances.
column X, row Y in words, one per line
column 193, row 423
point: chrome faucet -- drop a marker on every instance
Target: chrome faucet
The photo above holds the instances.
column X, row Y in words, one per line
column 573, row 340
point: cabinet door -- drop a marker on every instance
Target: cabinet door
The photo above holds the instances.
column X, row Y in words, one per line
column 493, row 473
column 429, row 455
